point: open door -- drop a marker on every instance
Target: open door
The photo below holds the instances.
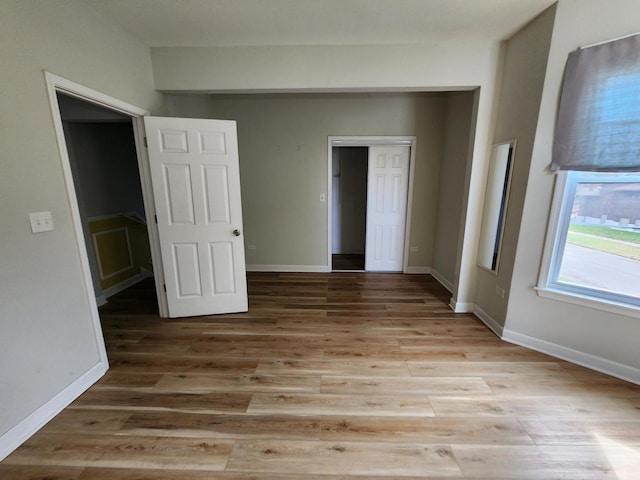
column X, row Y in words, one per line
column 195, row 177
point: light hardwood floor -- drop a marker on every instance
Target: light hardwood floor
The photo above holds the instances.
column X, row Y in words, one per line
column 332, row 376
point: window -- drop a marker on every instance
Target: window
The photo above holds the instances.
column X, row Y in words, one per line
column 597, row 240
column 593, row 243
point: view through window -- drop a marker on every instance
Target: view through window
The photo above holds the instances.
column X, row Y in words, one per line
column 598, row 249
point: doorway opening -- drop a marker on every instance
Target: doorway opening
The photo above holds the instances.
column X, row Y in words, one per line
column 104, row 166
column 349, row 204
column 113, row 108
column 370, row 187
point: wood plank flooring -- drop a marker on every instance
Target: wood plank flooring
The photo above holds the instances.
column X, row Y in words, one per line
column 332, row 376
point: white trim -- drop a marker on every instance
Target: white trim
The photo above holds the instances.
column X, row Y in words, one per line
column 150, row 211
column 589, row 302
column 407, row 228
column 560, row 183
column 111, row 291
column 609, row 41
column 97, row 249
column 357, row 141
column 58, row 84
column 123, row 215
column 368, row 141
column 146, row 273
column 555, row 241
column 329, row 199
column 101, row 300
column 593, row 362
column 289, row 268
column 488, row 320
column 460, row 307
column 36, row 420
column 442, row 280
column 417, row 270
column 81, row 92
column 55, row 84
column 499, row 236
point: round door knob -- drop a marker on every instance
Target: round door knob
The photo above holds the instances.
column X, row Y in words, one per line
column 236, row 232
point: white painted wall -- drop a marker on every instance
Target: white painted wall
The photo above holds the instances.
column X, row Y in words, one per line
column 46, row 334
column 451, row 186
column 283, row 163
column 606, row 339
column 517, row 117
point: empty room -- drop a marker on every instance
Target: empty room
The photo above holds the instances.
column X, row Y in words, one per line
column 300, row 239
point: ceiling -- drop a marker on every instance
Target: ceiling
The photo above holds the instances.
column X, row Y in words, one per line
column 168, row 23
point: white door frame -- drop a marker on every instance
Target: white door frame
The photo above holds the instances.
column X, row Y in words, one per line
column 370, row 141
column 57, row 84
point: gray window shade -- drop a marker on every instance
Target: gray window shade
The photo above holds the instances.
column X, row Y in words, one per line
column 598, row 125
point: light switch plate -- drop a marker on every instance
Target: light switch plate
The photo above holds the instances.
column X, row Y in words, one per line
column 41, row 222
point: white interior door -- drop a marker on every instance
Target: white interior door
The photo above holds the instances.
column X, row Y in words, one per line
column 196, row 187
column 387, row 190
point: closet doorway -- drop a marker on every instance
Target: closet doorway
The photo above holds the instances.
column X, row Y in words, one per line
column 349, row 207
column 369, row 212
column 103, row 160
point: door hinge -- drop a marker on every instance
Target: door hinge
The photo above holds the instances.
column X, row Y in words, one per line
column 164, row 285
column 155, row 217
column 146, row 143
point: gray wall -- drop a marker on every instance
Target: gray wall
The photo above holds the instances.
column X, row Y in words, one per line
column 107, row 167
column 517, row 116
column 602, row 338
column 451, row 184
column 47, row 338
column 283, row 163
column 41, row 277
column 459, row 61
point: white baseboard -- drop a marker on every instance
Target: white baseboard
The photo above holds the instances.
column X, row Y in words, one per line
column 289, row 268
column 488, row 320
column 587, row 360
column 146, row 273
column 35, row 421
column 418, row 270
column 111, row 291
column 460, row 307
column 441, row 280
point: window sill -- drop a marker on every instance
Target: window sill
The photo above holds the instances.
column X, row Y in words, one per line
column 588, row 301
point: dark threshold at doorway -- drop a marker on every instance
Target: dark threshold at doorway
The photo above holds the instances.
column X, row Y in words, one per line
column 347, row 262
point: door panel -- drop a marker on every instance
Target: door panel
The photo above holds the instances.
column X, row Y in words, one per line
column 217, row 194
column 387, row 208
column 185, row 261
column 222, row 267
column 178, row 194
column 196, row 182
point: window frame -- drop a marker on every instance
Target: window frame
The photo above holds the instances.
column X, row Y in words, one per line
column 559, row 218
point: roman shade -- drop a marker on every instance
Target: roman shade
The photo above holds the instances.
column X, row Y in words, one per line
column 598, row 123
